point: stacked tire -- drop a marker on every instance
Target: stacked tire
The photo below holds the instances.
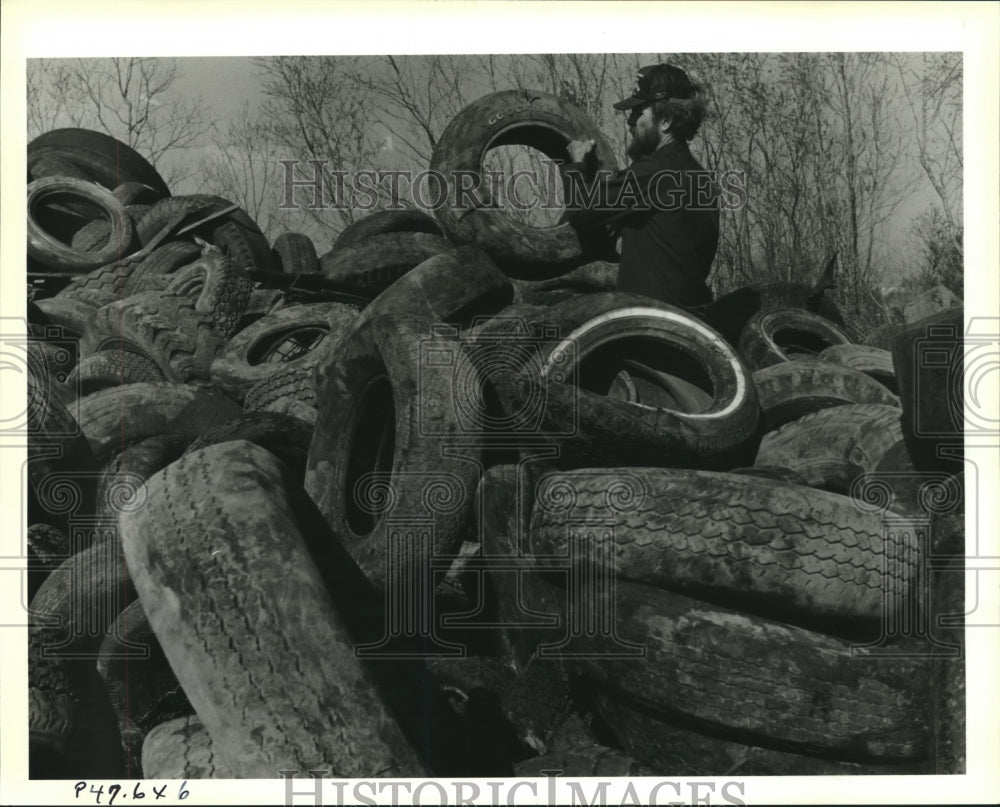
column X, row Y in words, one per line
column 464, row 511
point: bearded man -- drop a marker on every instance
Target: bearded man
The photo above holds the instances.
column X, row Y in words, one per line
column 664, row 206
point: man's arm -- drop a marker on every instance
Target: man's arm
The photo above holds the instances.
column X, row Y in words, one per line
column 596, row 198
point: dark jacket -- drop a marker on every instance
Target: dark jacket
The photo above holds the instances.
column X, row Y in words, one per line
column 665, row 208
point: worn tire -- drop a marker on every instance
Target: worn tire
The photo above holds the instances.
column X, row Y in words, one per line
column 124, row 279
column 120, row 482
column 294, row 253
column 105, row 159
column 181, row 748
column 781, row 334
column 771, row 682
column 219, row 288
column 51, row 253
column 165, row 327
column 871, row 361
column 378, row 262
column 515, row 117
column 72, row 732
column 931, row 358
column 385, row 407
column 284, row 436
column 452, row 286
column 249, row 357
column 236, row 234
column 142, row 687
column 673, row 750
column 113, row 368
column 235, row 549
column 113, row 418
column 589, row 338
column 730, row 313
column 832, row 448
column 386, row 221
column 293, row 384
column 788, row 390
column 749, row 543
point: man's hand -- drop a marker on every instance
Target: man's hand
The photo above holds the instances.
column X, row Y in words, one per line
column 579, row 149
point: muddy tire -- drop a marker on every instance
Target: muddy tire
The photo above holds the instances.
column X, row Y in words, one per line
column 789, row 390
column 143, row 690
column 295, row 254
column 751, row 543
column 236, row 234
column 453, row 286
column 386, row 221
column 514, row 117
column 871, row 361
column 181, row 749
column 291, row 384
column 119, row 483
column 708, row 417
column 782, row 334
column 831, row 448
column 167, row 328
column 673, row 750
column 219, row 288
column 769, row 681
column 113, row 418
column 289, row 337
column 233, row 550
column 51, row 253
column 284, row 436
column 103, row 158
column 378, row 262
column 385, row 408
column 110, row 368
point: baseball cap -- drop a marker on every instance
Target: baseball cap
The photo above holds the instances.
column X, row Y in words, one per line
column 657, row 82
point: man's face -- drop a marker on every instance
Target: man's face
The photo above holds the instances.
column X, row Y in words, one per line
column 645, row 131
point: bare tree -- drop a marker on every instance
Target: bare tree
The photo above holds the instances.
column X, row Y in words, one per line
column 131, row 99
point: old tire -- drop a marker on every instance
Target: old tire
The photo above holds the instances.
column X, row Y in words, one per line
column 589, row 340
column 235, row 549
column 181, row 748
column 771, row 682
column 385, row 407
column 378, row 262
column 165, row 327
column 453, row 286
column 289, row 337
column 235, row 233
column 120, row 481
column 285, row 384
column 833, row 447
column 112, row 418
column 284, row 436
column 51, row 253
column 871, row 361
column 126, row 278
column 113, row 368
column 781, row 334
column 386, row 221
column 788, row 390
column 105, row 159
column 294, row 253
column 514, row 117
column 218, row 287
column 749, row 543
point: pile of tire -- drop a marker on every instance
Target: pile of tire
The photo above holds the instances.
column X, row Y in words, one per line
column 448, row 504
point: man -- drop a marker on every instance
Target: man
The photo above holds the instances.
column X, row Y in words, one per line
column 664, row 205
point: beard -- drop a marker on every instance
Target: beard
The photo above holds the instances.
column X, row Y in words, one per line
column 643, row 143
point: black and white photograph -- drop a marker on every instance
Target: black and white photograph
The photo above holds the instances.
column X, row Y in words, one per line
column 500, row 403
